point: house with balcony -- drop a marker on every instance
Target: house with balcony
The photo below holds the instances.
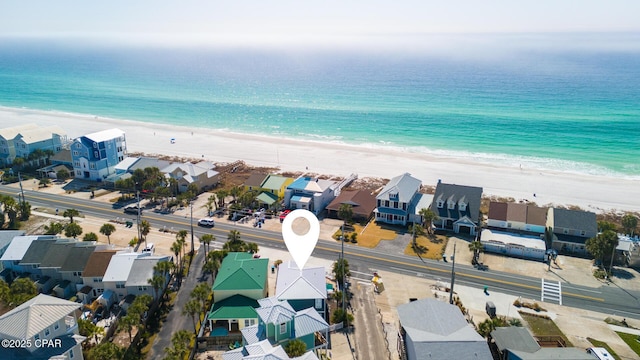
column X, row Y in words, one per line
column 309, row 193
column 41, row 321
column 279, row 323
column 20, row 141
column 240, row 282
column 433, row 329
column 201, row 175
column 93, row 274
column 457, row 208
column 571, row 229
column 396, row 201
column 96, row 155
column 116, row 276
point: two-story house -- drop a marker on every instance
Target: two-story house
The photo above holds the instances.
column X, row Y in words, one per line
column 280, row 323
column 201, row 175
column 254, row 182
column 6, row 237
column 240, row 282
column 517, row 217
column 48, row 327
column 15, row 252
column 95, row 155
column 302, row 289
column 308, row 193
column 263, row 350
column 273, row 188
column 117, row 273
column 571, row 229
column 20, row 141
column 457, row 207
column 142, row 270
column 394, row 203
column 93, row 273
column 64, row 262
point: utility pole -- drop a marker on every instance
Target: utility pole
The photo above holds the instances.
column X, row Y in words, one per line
column 138, row 217
column 342, row 267
column 191, row 205
column 21, row 189
column 453, row 273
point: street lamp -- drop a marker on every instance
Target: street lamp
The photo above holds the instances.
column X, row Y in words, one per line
column 453, row 272
column 138, row 219
column 191, row 205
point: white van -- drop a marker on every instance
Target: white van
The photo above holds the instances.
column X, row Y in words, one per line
column 150, row 248
column 599, row 353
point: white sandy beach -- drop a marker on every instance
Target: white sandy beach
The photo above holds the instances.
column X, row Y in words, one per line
column 595, row 193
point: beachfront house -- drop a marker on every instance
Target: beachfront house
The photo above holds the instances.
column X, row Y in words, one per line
column 47, row 326
column 240, row 282
column 521, row 245
column 571, row 229
column 125, row 168
column 254, row 182
column 21, row 141
column 362, row 203
column 394, row 202
column 433, row 329
column 202, row 175
column 95, row 155
column 517, row 217
column 273, row 188
column 279, row 323
column 309, row 193
column 457, row 208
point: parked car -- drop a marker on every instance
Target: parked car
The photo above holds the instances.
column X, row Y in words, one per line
column 206, row 222
column 284, row 214
column 132, row 209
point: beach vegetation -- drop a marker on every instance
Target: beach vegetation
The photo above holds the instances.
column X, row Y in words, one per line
column 629, row 224
column 543, row 326
column 341, row 271
column 106, row 230
column 295, row 348
column 476, row 247
column 72, row 230
column 20, row 291
column 90, row 236
column 180, row 341
column 106, row 351
column 10, row 209
column 342, row 316
column 44, row 182
column 604, row 225
column 54, row 228
column 221, row 195
column 63, row 175
column 486, row 327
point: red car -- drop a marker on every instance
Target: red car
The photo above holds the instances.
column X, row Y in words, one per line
column 284, row 214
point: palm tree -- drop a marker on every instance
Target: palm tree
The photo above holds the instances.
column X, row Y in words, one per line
column 176, row 248
column 72, row 230
column 629, row 224
column 127, row 323
column 192, row 308
column 235, row 192
column 252, row 247
column 181, row 237
column 157, row 282
column 107, row 229
column 106, row 351
column 295, row 348
column 71, row 213
column 341, row 271
column 181, row 341
column 221, row 195
column 345, row 212
column 90, row 236
column 477, row 248
column 45, row 181
column 206, row 240
column 211, row 267
column 201, row 293
column 211, row 204
column 428, row 217
column 145, row 229
column 416, row 230
column 54, row 228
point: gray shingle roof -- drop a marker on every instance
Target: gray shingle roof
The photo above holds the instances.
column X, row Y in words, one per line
column 78, row 258
column 142, row 270
column 37, row 251
column 56, row 255
column 575, row 219
column 569, row 353
column 514, row 338
column 405, row 186
column 471, row 195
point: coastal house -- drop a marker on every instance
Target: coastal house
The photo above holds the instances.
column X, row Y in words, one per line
column 125, row 168
column 15, row 252
column 457, row 207
column 531, row 247
column 516, row 343
column 117, row 273
column 571, row 229
column 362, row 203
column 95, row 155
column 433, row 329
column 279, row 323
column 143, row 269
column 20, row 141
column 240, row 282
column 64, row 262
column 263, row 350
column 47, row 325
column 302, row 289
column 94, row 270
column 201, row 175
column 59, row 161
column 394, row 202
column 517, row 217
column 254, row 182
column 309, row 193
column 273, row 188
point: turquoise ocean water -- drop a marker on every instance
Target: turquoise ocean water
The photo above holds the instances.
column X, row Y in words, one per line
column 575, row 110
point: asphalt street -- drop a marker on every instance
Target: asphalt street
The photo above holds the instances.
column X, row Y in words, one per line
column 609, row 299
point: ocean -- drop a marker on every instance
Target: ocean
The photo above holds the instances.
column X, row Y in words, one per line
column 574, row 109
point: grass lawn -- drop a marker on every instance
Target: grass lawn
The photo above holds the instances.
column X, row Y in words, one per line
column 373, row 233
column 544, row 327
column 598, row 343
column 434, row 244
column 630, row 339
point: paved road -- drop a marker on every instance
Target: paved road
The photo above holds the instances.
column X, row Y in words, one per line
column 175, row 320
column 613, row 300
column 369, row 336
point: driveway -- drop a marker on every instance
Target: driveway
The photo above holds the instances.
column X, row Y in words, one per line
column 369, row 335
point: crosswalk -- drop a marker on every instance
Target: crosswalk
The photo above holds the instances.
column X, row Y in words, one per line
column 551, row 291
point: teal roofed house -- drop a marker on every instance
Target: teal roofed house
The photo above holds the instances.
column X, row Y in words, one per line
column 240, row 282
column 279, row 323
column 241, row 274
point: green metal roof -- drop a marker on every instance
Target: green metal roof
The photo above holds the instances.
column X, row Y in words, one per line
column 240, row 271
column 267, row 198
column 234, row 307
column 274, row 182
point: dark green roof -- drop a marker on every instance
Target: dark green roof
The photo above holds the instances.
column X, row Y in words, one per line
column 240, row 271
column 234, row 307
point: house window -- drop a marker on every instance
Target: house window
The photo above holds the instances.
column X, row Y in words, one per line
column 95, row 280
column 386, row 203
column 46, row 332
column 451, row 205
column 283, row 328
column 508, row 225
column 318, row 304
column 92, row 166
column 75, row 153
column 249, row 322
column 99, row 291
column 566, row 231
column 395, row 204
column 71, row 353
column 462, row 206
column 36, row 336
column 119, row 285
column 56, row 327
column 440, row 204
column 583, row 233
column 77, row 145
column 142, row 288
column 379, row 202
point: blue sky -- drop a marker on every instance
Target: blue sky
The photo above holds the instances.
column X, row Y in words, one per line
column 281, row 20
